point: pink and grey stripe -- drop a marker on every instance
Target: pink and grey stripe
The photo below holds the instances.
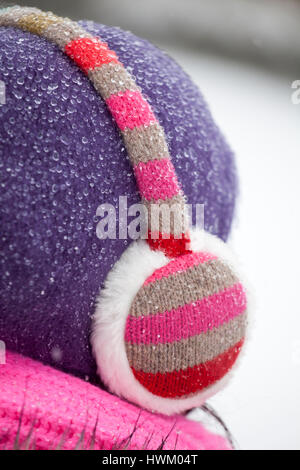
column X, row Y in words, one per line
column 186, row 326
column 187, row 323
column 143, row 136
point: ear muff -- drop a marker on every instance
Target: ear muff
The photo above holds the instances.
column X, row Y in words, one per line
column 171, row 318
column 167, row 332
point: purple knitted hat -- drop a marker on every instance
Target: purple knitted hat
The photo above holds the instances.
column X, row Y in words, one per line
column 82, row 118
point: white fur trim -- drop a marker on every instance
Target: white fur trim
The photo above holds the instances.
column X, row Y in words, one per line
column 123, row 282
column 204, row 241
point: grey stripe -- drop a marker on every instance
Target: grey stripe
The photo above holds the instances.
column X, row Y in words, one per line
column 146, row 143
column 64, row 32
column 168, row 215
column 110, row 79
column 182, row 288
column 189, row 352
column 12, row 16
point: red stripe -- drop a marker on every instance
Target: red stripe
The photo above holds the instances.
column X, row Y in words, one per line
column 172, row 247
column 177, row 384
column 89, row 53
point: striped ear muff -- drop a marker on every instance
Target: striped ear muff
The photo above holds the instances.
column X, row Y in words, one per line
column 171, row 318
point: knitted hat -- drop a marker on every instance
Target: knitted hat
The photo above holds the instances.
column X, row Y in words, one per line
column 87, row 121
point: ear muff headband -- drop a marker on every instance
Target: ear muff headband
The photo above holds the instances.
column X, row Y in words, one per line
column 171, row 319
column 144, row 138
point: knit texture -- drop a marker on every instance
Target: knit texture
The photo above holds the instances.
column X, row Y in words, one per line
column 168, row 364
column 62, row 155
column 59, row 408
column 186, row 326
column 156, row 179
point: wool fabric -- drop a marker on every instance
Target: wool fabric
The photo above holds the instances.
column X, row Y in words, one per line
column 62, row 155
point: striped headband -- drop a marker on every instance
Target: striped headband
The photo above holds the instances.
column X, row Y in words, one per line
column 165, row 332
column 143, row 136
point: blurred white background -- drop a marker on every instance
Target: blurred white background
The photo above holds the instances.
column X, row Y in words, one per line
column 244, row 55
column 254, row 109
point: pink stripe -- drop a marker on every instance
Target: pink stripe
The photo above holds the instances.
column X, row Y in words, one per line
column 157, row 179
column 130, row 109
column 189, row 320
column 177, row 265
